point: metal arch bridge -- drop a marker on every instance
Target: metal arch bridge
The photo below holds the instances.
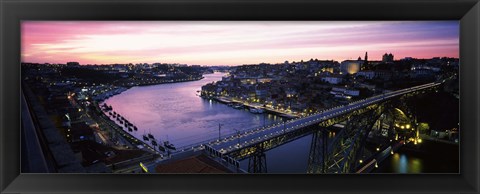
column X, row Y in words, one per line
column 242, row 145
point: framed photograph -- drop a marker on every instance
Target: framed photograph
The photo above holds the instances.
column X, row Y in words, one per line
column 239, row 96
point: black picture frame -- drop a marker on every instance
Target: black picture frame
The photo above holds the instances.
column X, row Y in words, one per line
column 14, row 11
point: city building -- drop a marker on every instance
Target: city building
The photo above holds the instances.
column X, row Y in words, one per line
column 387, row 58
column 383, row 74
column 73, row 64
column 351, row 66
column 333, row 79
column 344, row 91
column 366, row 74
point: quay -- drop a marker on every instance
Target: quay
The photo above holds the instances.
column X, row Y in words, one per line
column 132, row 140
column 375, row 160
column 226, row 100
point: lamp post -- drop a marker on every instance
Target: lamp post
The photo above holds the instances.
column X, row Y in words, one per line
column 219, row 127
column 238, row 136
column 264, row 114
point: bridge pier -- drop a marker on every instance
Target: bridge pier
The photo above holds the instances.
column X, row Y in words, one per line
column 318, row 149
column 343, row 153
column 257, row 163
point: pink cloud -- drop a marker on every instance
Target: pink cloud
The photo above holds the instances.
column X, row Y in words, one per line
column 232, row 43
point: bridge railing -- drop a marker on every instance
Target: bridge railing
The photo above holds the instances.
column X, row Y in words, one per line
column 227, row 135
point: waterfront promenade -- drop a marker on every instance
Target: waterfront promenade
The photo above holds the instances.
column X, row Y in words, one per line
column 282, row 113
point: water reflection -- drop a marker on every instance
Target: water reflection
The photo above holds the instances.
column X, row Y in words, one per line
column 416, row 165
column 287, row 158
column 402, row 163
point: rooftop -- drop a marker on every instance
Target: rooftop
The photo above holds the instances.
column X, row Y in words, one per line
column 196, row 164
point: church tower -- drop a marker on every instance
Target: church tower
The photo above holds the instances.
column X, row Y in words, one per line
column 365, row 62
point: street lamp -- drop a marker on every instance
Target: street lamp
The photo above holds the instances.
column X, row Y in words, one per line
column 219, row 127
column 264, row 107
column 238, row 136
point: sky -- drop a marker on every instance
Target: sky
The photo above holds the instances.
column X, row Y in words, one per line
column 233, row 42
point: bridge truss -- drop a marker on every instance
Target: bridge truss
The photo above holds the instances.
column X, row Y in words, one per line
column 345, row 153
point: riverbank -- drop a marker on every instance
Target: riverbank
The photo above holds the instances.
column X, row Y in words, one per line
column 226, row 100
column 427, row 137
column 380, row 157
column 107, row 117
column 115, row 90
column 165, row 82
column 115, row 125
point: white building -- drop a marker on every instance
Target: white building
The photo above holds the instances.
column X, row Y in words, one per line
column 344, row 91
column 332, row 79
column 366, row 74
column 351, row 66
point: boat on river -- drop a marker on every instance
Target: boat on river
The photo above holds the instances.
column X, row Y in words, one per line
column 161, row 148
column 257, row 110
column 169, row 145
column 106, row 107
column 238, row 106
column 150, row 135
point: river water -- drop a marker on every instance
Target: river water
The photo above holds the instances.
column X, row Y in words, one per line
column 176, row 113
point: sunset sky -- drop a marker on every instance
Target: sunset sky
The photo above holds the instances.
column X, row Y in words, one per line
column 233, row 43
